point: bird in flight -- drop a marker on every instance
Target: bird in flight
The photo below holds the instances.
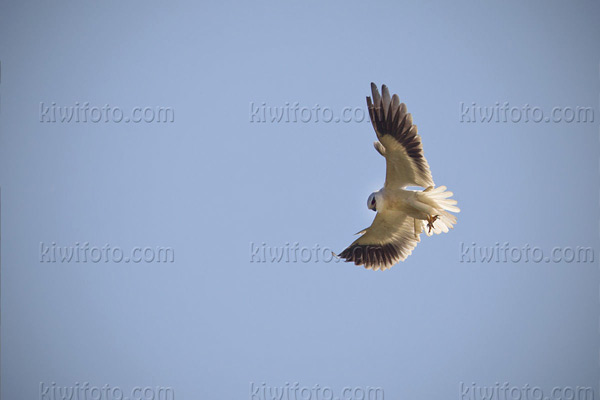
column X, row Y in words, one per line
column 402, row 214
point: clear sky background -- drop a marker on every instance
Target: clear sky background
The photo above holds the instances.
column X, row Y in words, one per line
column 212, row 183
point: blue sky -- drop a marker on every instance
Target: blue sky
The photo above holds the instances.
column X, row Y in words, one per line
column 211, row 183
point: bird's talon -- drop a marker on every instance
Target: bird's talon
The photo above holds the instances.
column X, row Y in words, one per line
column 430, row 220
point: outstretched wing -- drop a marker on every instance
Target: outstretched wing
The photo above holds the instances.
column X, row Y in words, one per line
column 399, row 141
column 389, row 239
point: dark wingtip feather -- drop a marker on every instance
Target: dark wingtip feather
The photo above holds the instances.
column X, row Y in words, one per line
column 375, row 93
column 372, row 255
column 396, row 122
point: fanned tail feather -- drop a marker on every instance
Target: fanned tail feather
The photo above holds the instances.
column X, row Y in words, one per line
column 441, row 200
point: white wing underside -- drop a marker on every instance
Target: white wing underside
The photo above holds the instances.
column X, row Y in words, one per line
column 390, row 239
column 399, row 141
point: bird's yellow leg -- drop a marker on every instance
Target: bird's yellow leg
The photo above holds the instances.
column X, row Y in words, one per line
column 430, row 220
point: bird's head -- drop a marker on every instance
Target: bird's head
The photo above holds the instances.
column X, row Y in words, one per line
column 373, row 201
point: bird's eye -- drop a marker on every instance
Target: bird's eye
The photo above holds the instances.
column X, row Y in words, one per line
column 373, row 201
